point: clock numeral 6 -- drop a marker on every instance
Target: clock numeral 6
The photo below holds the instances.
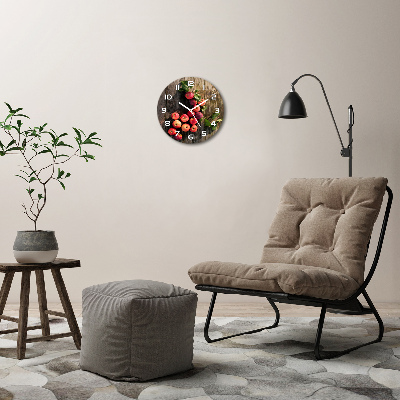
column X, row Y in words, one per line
column 163, row 110
column 167, row 123
column 214, row 96
column 213, row 123
column 217, row 110
column 191, row 136
column 168, row 97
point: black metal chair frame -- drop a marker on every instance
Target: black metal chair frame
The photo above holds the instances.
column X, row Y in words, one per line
column 350, row 305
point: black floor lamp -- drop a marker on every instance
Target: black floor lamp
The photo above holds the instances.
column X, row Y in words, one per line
column 293, row 107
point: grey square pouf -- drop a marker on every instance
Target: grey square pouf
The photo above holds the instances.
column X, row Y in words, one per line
column 137, row 330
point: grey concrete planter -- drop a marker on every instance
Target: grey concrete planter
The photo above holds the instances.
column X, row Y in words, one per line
column 35, row 247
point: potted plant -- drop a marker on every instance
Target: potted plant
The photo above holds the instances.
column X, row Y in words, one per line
column 44, row 154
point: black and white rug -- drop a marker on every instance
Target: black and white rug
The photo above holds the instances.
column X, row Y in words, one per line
column 276, row 364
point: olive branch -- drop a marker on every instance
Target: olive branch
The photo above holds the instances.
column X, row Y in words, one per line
column 44, row 152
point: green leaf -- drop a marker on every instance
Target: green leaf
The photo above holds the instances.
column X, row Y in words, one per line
column 40, row 196
column 7, row 127
column 22, row 115
column 67, row 175
column 30, row 191
column 46, row 150
column 60, row 173
column 32, row 179
column 87, row 157
column 62, row 155
column 197, row 97
column 64, row 144
column 207, row 122
column 63, row 186
column 78, row 134
column 9, row 107
column 14, row 148
column 93, row 134
column 11, row 143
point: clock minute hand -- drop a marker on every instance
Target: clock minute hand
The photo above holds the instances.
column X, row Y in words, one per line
column 200, row 104
column 191, row 112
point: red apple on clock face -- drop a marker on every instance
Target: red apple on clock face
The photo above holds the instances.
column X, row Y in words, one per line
column 190, row 110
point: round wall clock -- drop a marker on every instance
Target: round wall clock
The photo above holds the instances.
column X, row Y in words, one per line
column 190, row 110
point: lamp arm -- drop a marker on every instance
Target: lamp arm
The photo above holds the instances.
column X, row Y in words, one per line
column 327, row 102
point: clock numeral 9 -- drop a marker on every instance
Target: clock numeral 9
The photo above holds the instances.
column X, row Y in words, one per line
column 214, row 96
column 168, row 97
column 167, row 123
column 213, row 123
column 217, row 110
column 163, row 110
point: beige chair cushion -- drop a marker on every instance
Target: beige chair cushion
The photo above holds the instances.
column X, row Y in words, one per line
column 317, row 241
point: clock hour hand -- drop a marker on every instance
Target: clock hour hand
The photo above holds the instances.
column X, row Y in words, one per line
column 187, row 108
column 191, row 112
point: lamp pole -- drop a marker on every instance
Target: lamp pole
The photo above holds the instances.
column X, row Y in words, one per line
column 293, row 107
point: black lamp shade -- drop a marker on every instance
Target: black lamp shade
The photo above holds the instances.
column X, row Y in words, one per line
column 292, row 107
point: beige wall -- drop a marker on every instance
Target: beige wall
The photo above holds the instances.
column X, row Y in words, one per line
column 148, row 207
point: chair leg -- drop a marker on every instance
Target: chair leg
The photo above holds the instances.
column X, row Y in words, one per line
column 5, row 290
column 335, row 354
column 23, row 314
column 42, row 300
column 66, row 303
column 208, row 320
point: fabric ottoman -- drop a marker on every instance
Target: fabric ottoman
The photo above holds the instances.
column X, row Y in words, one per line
column 137, row 330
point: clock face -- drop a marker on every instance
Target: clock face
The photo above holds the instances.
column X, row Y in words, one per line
column 190, row 110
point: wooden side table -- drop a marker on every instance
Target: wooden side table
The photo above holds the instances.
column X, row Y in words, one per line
column 26, row 269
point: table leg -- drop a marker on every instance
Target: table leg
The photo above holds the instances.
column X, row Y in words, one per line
column 69, row 312
column 41, row 291
column 5, row 289
column 23, row 314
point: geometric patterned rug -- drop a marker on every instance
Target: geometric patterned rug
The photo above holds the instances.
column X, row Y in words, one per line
column 275, row 364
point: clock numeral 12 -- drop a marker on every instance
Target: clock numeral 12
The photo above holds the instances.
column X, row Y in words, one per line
column 190, row 83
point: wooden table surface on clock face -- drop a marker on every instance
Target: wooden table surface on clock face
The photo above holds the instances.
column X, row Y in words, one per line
column 173, row 100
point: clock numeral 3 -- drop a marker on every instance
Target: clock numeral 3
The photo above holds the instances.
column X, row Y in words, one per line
column 217, row 110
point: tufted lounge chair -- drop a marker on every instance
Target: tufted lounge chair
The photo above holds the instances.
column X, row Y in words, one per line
column 315, row 254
